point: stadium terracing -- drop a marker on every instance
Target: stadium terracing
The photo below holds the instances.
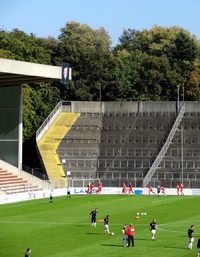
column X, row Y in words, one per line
column 145, row 143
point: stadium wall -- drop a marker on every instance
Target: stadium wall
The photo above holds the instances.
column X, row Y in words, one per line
column 128, row 106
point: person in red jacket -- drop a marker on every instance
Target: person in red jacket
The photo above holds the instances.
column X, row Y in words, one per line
column 131, row 233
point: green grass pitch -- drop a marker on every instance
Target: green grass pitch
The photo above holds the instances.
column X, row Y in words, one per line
column 63, row 228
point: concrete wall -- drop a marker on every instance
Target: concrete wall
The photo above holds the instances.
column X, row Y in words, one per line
column 9, row 123
column 128, row 107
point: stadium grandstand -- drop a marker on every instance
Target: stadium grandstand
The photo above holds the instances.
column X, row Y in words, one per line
column 12, row 75
column 145, row 143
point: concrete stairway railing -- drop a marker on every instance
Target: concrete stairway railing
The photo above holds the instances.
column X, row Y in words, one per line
column 165, row 147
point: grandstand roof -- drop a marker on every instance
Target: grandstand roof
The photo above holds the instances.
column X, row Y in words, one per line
column 14, row 72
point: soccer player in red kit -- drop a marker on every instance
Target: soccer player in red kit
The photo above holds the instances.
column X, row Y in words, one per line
column 130, row 188
column 151, row 190
column 91, row 187
column 124, row 188
column 181, row 186
column 99, row 189
column 177, row 189
column 163, row 191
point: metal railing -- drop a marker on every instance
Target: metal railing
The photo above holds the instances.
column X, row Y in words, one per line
column 165, row 147
column 48, row 121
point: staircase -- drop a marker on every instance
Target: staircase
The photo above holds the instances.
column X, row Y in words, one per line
column 165, row 147
column 11, row 183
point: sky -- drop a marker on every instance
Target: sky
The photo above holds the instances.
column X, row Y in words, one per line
column 46, row 17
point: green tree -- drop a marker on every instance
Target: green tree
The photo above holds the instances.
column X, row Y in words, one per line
column 25, row 47
column 170, row 59
column 39, row 101
column 88, row 52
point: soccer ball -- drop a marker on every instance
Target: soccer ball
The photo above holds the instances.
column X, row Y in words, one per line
column 112, row 233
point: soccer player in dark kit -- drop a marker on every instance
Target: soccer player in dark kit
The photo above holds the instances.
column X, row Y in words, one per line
column 93, row 215
column 191, row 236
column 152, row 228
column 106, row 226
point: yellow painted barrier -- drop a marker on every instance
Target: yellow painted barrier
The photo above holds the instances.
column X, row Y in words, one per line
column 50, row 142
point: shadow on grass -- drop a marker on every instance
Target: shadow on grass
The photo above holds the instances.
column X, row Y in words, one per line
column 93, row 233
column 143, row 239
column 112, row 245
column 175, row 247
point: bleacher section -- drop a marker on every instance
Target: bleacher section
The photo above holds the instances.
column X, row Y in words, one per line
column 182, row 158
column 117, row 142
column 79, row 149
column 11, row 183
column 113, row 147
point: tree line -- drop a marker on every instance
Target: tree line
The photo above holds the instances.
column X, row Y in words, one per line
column 144, row 65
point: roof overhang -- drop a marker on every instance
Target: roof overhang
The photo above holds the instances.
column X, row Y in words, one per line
column 17, row 72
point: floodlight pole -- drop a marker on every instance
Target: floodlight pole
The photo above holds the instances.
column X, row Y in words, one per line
column 182, row 153
column 178, row 101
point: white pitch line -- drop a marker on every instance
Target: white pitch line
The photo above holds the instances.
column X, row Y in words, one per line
column 53, row 223
column 166, row 230
column 36, row 222
column 177, row 225
column 160, row 226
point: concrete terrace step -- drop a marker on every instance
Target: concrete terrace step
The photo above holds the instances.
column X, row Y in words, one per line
column 13, row 182
column 7, row 176
column 21, row 190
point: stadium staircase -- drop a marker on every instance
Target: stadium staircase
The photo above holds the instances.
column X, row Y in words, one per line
column 165, row 147
column 49, row 143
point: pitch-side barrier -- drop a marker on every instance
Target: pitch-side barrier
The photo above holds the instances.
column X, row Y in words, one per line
column 12, row 198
